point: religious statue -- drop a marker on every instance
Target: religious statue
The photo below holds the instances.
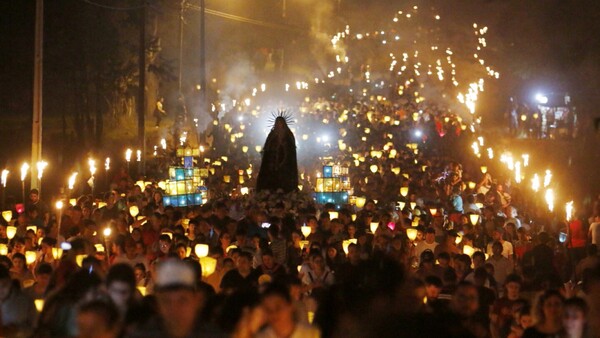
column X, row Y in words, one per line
column 279, row 167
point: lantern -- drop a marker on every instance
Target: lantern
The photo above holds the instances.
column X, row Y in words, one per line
column 201, row 250
column 134, row 211
column 306, row 230
column 373, row 168
column 433, row 211
column 333, row 214
column 360, row 202
column 79, row 260
column 474, row 218
column 413, row 205
column 468, row 250
column 411, row 233
column 404, row 191
column 484, row 169
column 3, row 249
column 209, row 265
column 374, row 226
column 57, row 253
column 11, row 231
column 39, row 304
column 142, row 290
column 346, row 243
column 30, row 257
column 7, row 215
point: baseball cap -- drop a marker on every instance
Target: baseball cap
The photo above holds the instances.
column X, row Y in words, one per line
column 174, row 274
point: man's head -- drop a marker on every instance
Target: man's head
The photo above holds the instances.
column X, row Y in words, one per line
column 5, row 283
column 34, row 195
column 177, row 299
column 497, row 249
column 512, row 284
column 430, row 235
column 120, row 284
column 465, row 300
column 277, row 304
column 244, row 262
column 267, row 258
column 98, row 319
column 497, row 234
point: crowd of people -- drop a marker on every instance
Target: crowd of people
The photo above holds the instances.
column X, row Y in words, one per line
column 437, row 249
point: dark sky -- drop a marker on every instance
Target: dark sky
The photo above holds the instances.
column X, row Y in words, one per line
column 547, row 44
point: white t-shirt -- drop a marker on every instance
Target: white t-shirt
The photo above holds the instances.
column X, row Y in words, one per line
column 595, row 233
column 507, row 249
column 422, row 246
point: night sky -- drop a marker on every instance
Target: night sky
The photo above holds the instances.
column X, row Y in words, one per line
column 537, row 45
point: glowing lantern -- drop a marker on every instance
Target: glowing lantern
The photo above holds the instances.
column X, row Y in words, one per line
column 209, row 265
column 411, row 233
column 134, row 211
column 479, row 205
column 413, row 205
column 333, row 214
column 468, row 250
column 373, row 168
column 472, row 185
column 7, row 215
column 396, row 170
column 374, row 226
column 484, row 169
column 31, row 227
column 227, row 179
column 11, row 232
column 79, row 260
column 142, row 290
column 404, row 191
column 30, row 257
column 360, row 202
column 3, row 249
column 433, row 211
column 57, row 253
column 474, row 218
column 39, row 304
column 401, row 205
column 346, row 244
column 201, row 250
column 99, row 247
column 304, row 244
column 73, row 201
column 306, row 230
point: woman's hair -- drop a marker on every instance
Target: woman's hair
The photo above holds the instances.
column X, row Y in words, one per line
column 538, row 308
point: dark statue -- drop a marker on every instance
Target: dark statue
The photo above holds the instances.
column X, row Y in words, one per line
column 279, row 167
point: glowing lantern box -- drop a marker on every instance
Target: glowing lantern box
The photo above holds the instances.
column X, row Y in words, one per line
column 185, row 186
column 333, row 187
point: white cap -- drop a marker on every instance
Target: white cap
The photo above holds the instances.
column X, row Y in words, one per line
column 174, row 274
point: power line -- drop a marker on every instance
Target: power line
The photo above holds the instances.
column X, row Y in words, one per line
column 114, row 8
column 243, row 19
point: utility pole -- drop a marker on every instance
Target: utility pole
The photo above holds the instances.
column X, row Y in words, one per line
column 203, row 103
column 142, row 88
column 182, row 8
column 38, row 71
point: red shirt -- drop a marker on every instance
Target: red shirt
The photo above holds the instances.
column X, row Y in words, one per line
column 577, row 235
